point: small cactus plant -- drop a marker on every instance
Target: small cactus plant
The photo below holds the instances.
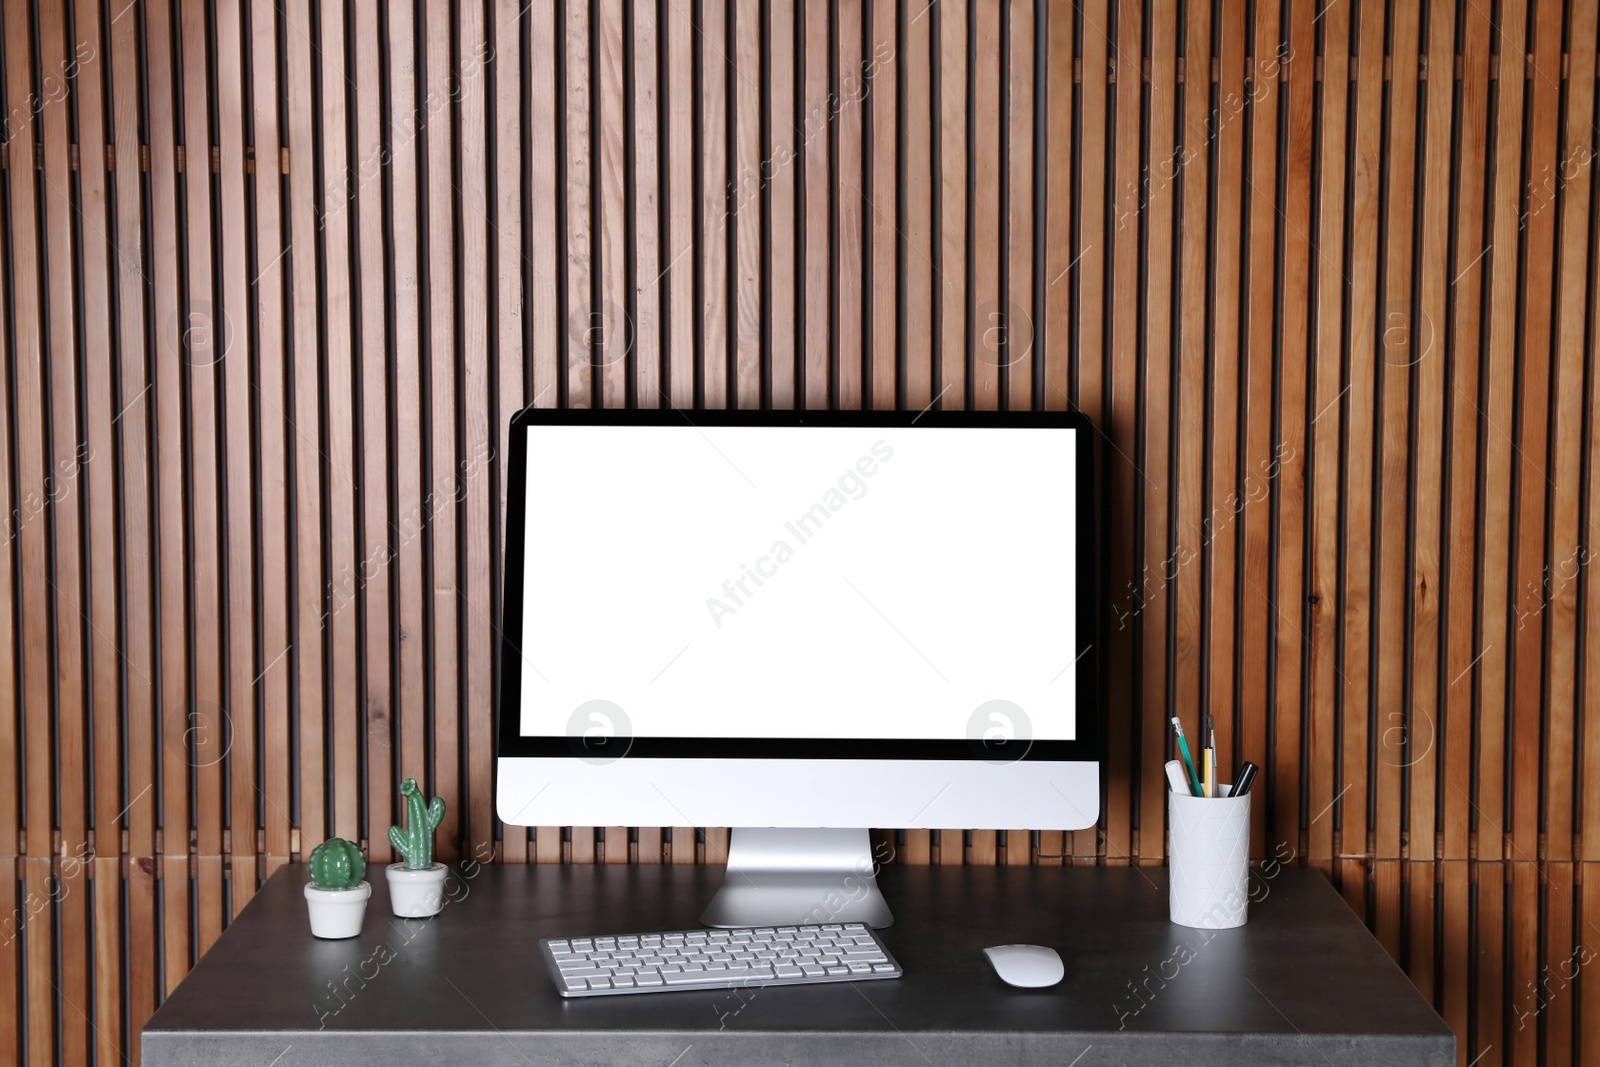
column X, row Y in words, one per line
column 415, row 842
column 337, row 864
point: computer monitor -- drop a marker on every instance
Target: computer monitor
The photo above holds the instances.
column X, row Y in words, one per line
column 799, row 625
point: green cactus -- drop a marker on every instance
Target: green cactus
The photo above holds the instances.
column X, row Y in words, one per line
column 337, row 864
column 415, row 842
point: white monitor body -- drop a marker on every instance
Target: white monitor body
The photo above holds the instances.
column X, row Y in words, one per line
column 797, row 622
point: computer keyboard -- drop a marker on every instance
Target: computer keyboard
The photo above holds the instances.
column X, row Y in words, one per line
column 716, row 959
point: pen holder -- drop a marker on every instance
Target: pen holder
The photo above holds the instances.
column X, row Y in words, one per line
column 1209, row 861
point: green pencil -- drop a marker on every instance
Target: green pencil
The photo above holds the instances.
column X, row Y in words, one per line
column 1188, row 760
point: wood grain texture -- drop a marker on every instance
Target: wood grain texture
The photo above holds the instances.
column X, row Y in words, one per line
column 1322, row 272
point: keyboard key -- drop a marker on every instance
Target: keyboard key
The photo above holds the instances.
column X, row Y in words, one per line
column 622, row 981
column 647, row 978
column 838, row 970
column 859, row 968
column 882, row 968
column 559, row 946
column 788, row 971
column 682, row 978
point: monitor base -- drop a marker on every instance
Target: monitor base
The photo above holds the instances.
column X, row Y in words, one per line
column 782, row 876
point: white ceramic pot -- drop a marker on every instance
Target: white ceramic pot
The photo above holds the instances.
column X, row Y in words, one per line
column 337, row 913
column 416, row 894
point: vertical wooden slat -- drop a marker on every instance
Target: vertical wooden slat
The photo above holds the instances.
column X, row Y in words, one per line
column 1455, row 956
column 850, row 195
column 780, row 162
column 414, row 502
column 1490, row 1007
column 132, row 427
column 816, row 125
column 880, row 75
column 680, row 261
column 310, row 660
column 545, row 36
column 445, row 475
column 1298, row 66
column 510, row 309
column 478, row 437
column 1143, row 601
column 917, row 194
column 1356, row 592
column 339, row 355
column 1426, row 363
column 543, row 113
column 207, row 338
column 1400, row 335
column 274, row 432
column 1018, row 302
column 238, row 507
column 1568, row 537
column 1259, row 95
column 374, row 552
column 984, row 848
column 577, row 329
column 1498, row 372
column 1551, row 885
column 615, row 845
column 988, row 323
column 1121, row 440
column 65, row 460
column 1419, row 888
column 745, row 185
column 648, row 261
column 609, row 320
column 1588, row 1008
column 716, row 842
column 649, row 845
column 951, row 385
column 1220, row 526
column 1189, row 359
column 1327, row 412
column 1535, row 284
column 167, row 397
column 18, row 338
column 97, row 244
column 712, row 253
column 682, row 845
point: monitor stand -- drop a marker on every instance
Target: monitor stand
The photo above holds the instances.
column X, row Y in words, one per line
column 780, row 876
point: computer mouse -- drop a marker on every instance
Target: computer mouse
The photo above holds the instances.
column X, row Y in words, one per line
column 1026, row 966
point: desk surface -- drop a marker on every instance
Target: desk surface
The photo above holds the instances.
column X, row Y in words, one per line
column 1302, row 983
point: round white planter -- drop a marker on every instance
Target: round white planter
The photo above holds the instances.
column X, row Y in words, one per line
column 416, row 894
column 337, row 913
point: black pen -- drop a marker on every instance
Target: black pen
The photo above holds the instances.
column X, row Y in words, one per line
column 1242, row 780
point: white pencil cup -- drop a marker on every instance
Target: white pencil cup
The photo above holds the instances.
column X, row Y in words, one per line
column 1210, row 859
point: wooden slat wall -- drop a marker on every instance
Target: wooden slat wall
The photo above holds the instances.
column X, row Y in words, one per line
column 274, row 276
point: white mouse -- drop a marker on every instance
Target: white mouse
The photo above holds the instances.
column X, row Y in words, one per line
column 1027, row 966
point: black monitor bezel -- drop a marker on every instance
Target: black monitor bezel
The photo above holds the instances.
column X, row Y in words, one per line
column 1087, row 746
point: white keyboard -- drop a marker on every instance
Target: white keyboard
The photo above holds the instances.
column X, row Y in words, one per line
column 716, row 959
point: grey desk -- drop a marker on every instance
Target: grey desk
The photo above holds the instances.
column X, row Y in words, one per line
column 1303, row 983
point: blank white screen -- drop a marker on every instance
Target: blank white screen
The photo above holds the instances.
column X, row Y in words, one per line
column 668, row 571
